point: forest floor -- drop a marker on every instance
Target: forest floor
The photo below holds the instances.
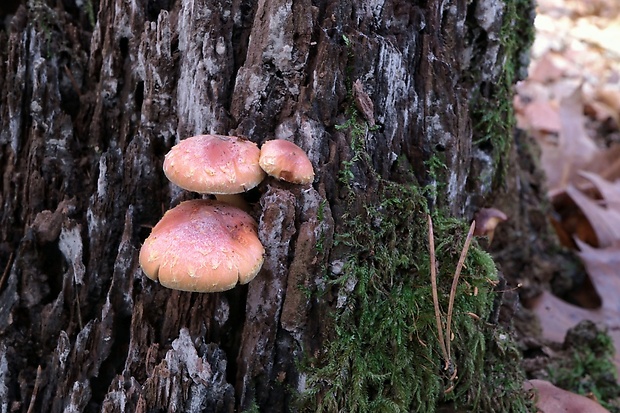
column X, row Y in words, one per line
column 568, row 109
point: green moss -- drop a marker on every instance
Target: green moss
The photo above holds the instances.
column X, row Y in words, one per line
column 253, row 408
column 357, row 131
column 492, row 111
column 436, row 167
column 44, row 17
column 90, row 12
column 383, row 354
column 589, row 366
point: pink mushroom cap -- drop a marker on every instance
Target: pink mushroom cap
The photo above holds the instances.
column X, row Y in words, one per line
column 214, row 164
column 286, row 161
column 203, row 246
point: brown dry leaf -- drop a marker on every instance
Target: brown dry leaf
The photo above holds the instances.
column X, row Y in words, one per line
column 607, row 164
column 577, row 8
column 547, row 69
column 552, row 399
column 575, row 148
column 610, row 97
column 535, row 94
column 542, row 115
column 605, row 34
column 551, row 160
column 603, row 266
column 609, row 191
column 572, row 223
column 604, row 105
column 557, row 316
column 587, row 217
column 601, row 111
column 604, row 221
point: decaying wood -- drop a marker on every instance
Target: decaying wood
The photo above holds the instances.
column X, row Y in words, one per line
column 88, row 112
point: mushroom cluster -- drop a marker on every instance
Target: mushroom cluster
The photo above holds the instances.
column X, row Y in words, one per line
column 207, row 245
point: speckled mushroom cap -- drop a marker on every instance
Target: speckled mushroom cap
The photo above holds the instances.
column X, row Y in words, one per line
column 214, row 164
column 285, row 160
column 203, row 246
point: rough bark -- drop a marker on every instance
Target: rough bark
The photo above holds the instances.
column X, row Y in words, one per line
column 92, row 102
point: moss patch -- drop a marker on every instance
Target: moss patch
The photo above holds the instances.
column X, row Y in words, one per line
column 588, row 367
column 383, row 353
column 492, row 112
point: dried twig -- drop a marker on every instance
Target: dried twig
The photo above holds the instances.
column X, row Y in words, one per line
column 6, row 270
column 78, row 305
column 75, row 85
column 35, row 391
column 431, row 244
column 455, row 281
column 444, row 341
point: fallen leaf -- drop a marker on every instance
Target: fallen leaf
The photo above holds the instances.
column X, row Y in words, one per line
column 606, row 163
column 541, row 115
column 552, row 399
column 609, row 191
column 557, row 316
column 610, row 97
column 603, row 37
column 603, row 267
column 548, row 68
column 572, row 224
column 604, row 221
column 601, row 112
column 574, row 148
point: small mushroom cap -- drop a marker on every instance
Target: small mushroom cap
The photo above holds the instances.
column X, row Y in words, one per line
column 214, row 164
column 487, row 220
column 203, row 246
column 285, row 160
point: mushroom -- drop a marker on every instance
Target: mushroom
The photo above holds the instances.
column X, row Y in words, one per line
column 203, row 246
column 215, row 164
column 286, row 161
column 487, row 220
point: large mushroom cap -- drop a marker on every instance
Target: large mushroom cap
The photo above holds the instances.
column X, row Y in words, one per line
column 214, row 164
column 203, row 246
column 287, row 161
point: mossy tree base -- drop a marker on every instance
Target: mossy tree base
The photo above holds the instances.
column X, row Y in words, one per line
column 98, row 91
column 383, row 352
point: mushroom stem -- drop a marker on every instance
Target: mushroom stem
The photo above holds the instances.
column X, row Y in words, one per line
column 235, row 200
